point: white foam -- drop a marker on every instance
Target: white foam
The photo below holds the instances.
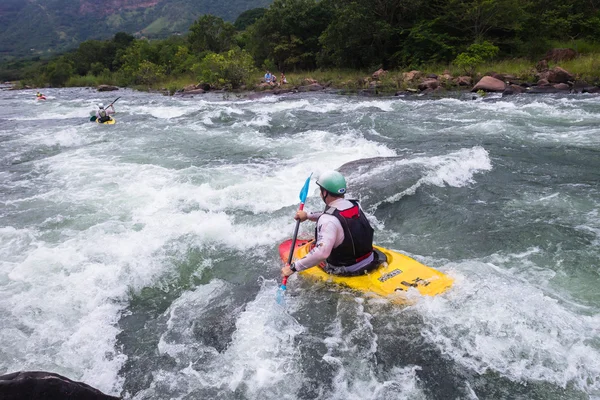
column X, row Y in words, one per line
column 455, row 169
column 492, row 320
column 259, row 362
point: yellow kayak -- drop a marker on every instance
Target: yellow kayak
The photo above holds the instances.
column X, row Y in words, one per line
column 393, row 277
column 111, row 121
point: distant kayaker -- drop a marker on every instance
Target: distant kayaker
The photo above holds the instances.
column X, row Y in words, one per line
column 344, row 237
column 102, row 114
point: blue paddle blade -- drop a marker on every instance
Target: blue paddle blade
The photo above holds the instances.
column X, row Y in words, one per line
column 304, row 191
column 281, row 295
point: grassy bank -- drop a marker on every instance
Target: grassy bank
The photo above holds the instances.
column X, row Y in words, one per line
column 586, row 67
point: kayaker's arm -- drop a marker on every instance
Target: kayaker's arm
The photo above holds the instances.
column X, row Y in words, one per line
column 314, row 215
column 326, row 240
column 302, row 215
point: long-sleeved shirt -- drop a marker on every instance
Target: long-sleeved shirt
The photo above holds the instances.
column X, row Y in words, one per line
column 108, row 110
column 330, row 235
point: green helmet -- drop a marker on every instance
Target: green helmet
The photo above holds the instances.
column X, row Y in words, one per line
column 333, row 182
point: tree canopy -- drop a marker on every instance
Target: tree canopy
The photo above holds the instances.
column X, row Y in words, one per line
column 308, row 34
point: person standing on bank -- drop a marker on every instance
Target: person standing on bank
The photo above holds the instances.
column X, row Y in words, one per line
column 344, row 237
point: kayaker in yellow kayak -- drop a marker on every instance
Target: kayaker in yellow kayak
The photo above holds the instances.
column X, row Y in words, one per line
column 344, row 236
column 103, row 114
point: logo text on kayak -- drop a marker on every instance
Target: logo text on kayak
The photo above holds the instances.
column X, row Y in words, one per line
column 389, row 275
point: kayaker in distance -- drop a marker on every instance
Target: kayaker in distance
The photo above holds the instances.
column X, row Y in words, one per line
column 102, row 114
column 344, row 237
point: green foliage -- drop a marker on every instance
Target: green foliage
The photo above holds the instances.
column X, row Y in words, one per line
column 476, row 20
column 425, row 45
column 475, row 55
column 149, row 73
column 58, row 72
column 49, row 27
column 84, row 81
column 288, row 33
column 232, row 68
column 581, row 46
column 367, row 34
column 248, row 17
column 306, row 35
column 210, row 33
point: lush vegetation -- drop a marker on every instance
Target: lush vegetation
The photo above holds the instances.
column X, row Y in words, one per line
column 347, row 37
column 45, row 27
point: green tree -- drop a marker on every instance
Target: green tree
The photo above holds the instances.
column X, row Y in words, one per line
column 288, row 33
column 355, row 38
column 232, row 68
column 59, row 71
column 149, row 73
column 425, row 43
column 365, row 33
column 481, row 19
column 475, row 55
column 248, row 17
column 210, row 33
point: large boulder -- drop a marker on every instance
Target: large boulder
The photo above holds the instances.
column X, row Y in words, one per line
column 380, row 73
column 562, row 86
column 308, row 81
column 315, row 87
column 542, row 66
column 193, row 91
column 559, row 75
column 411, row 76
column 106, row 88
column 39, row 385
column 464, row 81
column 543, row 82
column 591, row 89
column 429, row 84
column 489, row 84
column 513, row 89
column 557, row 55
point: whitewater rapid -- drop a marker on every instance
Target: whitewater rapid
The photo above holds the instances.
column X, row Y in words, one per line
column 141, row 258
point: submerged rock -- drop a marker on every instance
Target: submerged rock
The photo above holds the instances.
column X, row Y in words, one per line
column 40, row 385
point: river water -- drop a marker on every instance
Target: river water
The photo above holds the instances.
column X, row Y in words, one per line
column 141, row 258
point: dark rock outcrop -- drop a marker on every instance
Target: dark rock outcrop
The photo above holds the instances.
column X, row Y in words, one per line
column 591, row 89
column 39, row 385
column 464, row 81
column 557, row 55
column 106, row 88
column 429, row 84
column 542, row 66
column 315, row 87
column 544, row 89
column 562, row 86
column 559, row 75
column 193, row 91
column 513, row 89
column 380, row 73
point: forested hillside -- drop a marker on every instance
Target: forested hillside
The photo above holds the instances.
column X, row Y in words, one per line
column 294, row 35
column 40, row 27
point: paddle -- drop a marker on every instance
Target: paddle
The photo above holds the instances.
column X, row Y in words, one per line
column 303, row 194
column 93, row 117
